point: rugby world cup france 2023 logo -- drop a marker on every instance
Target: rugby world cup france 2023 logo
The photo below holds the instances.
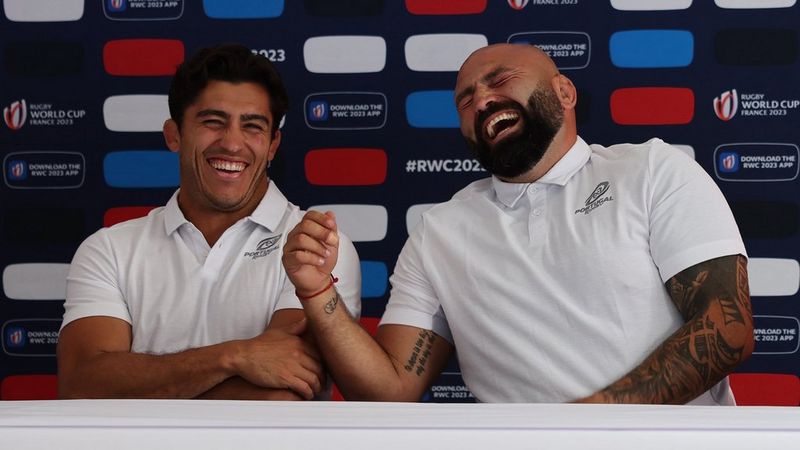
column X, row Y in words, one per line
column 726, row 105
column 15, row 115
column 518, row 4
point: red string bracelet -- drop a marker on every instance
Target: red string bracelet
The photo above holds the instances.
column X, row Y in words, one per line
column 327, row 286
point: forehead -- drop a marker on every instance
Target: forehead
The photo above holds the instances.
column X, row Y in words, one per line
column 226, row 95
column 489, row 59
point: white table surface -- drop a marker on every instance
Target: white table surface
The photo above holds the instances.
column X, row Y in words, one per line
column 199, row 425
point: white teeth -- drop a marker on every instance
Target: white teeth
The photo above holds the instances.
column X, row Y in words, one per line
column 505, row 116
column 230, row 166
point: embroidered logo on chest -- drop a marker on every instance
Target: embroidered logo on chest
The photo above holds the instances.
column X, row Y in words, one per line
column 596, row 199
column 264, row 247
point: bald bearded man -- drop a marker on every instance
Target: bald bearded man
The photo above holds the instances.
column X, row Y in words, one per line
column 575, row 273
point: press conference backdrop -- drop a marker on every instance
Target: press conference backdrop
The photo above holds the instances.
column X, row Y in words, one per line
column 372, row 131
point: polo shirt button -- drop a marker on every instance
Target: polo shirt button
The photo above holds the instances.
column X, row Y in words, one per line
column 537, row 212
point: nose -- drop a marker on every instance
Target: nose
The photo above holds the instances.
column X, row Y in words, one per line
column 483, row 97
column 232, row 138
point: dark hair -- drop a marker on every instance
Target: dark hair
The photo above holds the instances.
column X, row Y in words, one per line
column 233, row 63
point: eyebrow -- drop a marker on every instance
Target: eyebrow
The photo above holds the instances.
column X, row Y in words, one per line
column 224, row 115
column 469, row 90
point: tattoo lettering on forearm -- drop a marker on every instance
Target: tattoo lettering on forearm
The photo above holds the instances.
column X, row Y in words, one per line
column 330, row 306
column 420, row 353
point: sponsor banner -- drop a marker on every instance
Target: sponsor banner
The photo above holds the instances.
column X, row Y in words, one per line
column 445, row 7
column 652, row 106
column 749, row 104
column 25, row 113
column 135, row 113
column 44, row 58
column 448, row 388
column 650, row 5
column 43, row 10
column 29, row 387
column 142, row 57
column 44, row 170
column 773, row 277
column 776, row 335
column 344, row 54
column 35, row 281
column 31, row 337
column 343, row 8
column 756, row 161
column 345, row 110
column 361, row 223
column 119, row 214
column 243, row 9
column 374, row 279
column 568, row 49
column 35, row 226
column 441, row 52
column 648, row 49
column 414, row 214
column 141, row 169
column 431, row 109
column 756, row 47
column 143, row 9
column 346, row 166
column 765, row 389
column 754, row 4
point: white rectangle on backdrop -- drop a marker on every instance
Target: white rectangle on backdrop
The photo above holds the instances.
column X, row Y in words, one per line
column 135, row 112
column 344, row 54
column 441, row 52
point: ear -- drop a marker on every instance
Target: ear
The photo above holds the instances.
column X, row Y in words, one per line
column 566, row 92
column 273, row 146
column 172, row 135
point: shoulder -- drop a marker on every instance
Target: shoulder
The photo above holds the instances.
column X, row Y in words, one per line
column 124, row 233
column 470, row 196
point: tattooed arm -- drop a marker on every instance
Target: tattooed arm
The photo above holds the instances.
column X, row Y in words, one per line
column 714, row 299
column 398, row 365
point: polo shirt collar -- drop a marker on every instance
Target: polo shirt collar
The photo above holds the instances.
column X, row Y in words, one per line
column 268, row 213
column 575, row 158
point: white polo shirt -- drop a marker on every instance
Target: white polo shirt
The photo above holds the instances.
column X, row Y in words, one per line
column 159, row 274
column 553, row 290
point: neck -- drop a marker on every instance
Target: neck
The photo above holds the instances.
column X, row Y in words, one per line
column 213, row 222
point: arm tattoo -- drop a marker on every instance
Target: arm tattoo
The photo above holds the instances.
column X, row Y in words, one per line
column 714, row 299
column 330, row 306
column 420, row 353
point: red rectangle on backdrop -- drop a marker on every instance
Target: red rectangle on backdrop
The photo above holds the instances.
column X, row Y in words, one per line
column 765, row 389
column 142, row 57
column 29, row 387
column 346, row 166
column 652, row 106
column 445, row 7
column 119, row 214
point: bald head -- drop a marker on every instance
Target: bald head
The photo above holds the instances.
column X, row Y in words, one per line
column 504, row 54
column 512, row 100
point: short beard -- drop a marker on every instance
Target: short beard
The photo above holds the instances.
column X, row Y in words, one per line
column 515, row 155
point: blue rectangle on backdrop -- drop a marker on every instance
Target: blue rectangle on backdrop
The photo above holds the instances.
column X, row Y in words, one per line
column 141, row 169
column 374, row 278
column 243, row 9
column 651, row 48
column 431, row 109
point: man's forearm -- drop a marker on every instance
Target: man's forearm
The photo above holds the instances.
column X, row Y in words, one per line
column 185, row 374
column 361, row 368
column 237, row 388
column 717, row 336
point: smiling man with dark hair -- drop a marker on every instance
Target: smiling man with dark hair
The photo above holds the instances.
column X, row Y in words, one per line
column 192, row 301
